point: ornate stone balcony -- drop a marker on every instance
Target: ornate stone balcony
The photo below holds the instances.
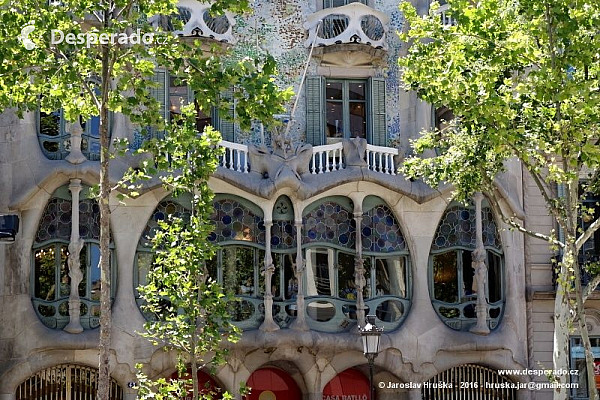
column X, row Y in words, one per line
column 319, row 159
column 199, row 23
column 352, row 23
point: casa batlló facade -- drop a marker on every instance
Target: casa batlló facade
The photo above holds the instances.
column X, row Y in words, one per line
column 340, row 232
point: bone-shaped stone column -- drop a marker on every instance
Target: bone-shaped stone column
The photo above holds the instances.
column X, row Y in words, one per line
column 75, row 246
column 481, row 271
column 300, row 323
column 268, row 324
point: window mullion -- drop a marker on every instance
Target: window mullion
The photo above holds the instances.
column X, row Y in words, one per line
column 459, row 274
column 346, row 108
column 57, row 266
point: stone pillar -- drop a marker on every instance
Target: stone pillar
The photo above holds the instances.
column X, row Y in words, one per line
column 8, row 396
column 414, row 394
column 359, row 268
column 268, row 324
column 300, row 323
column 75, row 155
column 481, row 271
column 75, row 246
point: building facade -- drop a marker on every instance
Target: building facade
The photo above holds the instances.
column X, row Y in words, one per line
column 316, row 229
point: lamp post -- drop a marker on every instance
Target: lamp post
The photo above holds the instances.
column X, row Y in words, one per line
column 370, row 334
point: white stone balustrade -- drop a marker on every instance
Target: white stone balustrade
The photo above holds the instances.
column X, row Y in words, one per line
column 235, row 157
column 327, row 158
column 381, row 159
column 444, row 13
column 198, row 22
column 352, row 23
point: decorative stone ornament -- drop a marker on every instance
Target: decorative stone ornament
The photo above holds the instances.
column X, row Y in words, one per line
column 352, row 23
column 197, row 21
column 268, row 324
column 76, row 156
column 481, row 271
column 75, row 273
column 300, row 323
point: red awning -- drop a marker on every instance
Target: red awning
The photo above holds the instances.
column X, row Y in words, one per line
column 348, row 383
column 206, row 384
column 280, row 383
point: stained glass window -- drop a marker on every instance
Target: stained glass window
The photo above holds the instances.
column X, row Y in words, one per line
column 457, row 229
column 381, row 232
column 56, row 220
column 51, row 280
column 283, row 235
column 453, row 277
column 161, row 213
column 236, row 222
column 330, row 222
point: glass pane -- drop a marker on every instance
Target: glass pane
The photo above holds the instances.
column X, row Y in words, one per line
column 65, row 280
column 445, row 277
column 50, row 123
column 95, row 272
column 45, row 266
column 390, row 277
column 390, row 310
column 358, row 120
column 202, row 120
column 291, row 290
column 177, row 95
column 578, row 363
column 346, row 285
column 357, row 90
column 333, row 91
column 469, row 282
column 238, row 274
column 335, row 119
column 211, row 266
column 320, row 267
column 83, row 262
column 144, row 263
column 494, row 278
column 94, row 129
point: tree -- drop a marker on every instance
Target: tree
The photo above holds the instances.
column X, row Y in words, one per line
column 190, row 311
column 522, row 79
column 99, row 68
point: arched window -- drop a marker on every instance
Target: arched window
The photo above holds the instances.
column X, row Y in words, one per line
column 50, row 280
column 386, row 263
column 453, row 285
column 240, row 232
column 65, row 381
column 329, row 238
column 55, row 138
column 144, row 257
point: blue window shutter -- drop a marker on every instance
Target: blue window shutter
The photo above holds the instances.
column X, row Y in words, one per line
column 225, row 124
column 377, row 125
column 315, row 110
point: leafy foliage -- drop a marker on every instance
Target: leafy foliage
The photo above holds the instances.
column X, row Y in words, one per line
column 86, row 78
column 522, row 78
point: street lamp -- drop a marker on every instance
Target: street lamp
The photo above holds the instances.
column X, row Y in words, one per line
column 370, row 339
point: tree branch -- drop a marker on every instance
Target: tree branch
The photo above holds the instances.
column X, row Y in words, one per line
column 591, row 286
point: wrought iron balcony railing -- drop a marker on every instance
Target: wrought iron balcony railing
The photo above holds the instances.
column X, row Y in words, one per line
column 352, row 23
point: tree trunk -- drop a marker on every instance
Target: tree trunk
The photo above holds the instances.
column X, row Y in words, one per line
column 105, row 300
column 560, row 354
